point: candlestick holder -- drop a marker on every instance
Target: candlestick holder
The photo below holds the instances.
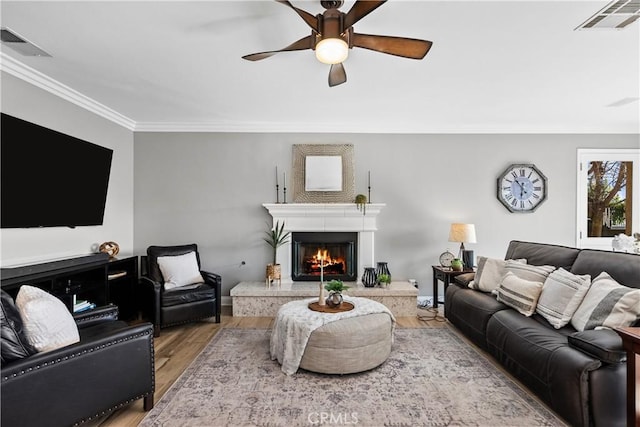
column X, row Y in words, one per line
column 277, row 193
column 284, row 196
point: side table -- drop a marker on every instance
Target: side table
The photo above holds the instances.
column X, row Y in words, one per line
column 631, row 343
column 446, row 275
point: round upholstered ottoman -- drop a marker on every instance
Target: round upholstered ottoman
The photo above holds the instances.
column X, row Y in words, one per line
column 349, row 345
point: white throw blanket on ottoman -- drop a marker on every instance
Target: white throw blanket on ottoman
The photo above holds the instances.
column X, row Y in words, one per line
column 295, row 322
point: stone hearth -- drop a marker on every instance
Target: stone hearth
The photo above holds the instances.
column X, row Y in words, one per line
column 255, row 299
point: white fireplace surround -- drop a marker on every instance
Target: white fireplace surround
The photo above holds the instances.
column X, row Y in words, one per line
column 327, row 217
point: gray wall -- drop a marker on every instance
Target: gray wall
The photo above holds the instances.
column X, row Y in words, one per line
column 208, row 188
column 25, row 101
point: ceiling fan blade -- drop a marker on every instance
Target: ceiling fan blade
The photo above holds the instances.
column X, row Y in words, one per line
column 337, row 75
column 360, row 9
column 311, row 20
column 399, row 46
column 302, row 44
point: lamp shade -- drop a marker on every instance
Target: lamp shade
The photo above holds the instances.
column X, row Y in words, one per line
column 463, row 233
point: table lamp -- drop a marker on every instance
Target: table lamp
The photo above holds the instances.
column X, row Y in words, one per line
column 463, row 233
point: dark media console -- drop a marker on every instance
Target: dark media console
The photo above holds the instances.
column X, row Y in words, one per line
column 95, row 278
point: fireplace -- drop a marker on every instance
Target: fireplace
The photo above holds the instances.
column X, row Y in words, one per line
column 330, row 254
column 327, row 218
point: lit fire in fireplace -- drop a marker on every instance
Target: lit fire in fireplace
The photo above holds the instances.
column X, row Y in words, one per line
column 331, row 265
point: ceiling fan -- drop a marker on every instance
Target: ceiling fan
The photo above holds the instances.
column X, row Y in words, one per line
column 332, row 36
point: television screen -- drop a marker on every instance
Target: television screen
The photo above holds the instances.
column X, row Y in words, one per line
column 49, row 179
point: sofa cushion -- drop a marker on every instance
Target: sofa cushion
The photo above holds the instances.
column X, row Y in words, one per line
column 470, row 311
column 542, row 253
column 518, row 293
column 188, row 294
column 607, row 304
column 605, row 345
column 48, row 324
column 561, row 295
column 542, row 359
column 622, row 267
column 179, row 270
column 13, row 343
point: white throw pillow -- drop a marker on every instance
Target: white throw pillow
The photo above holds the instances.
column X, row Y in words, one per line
column 48, row 324
column 489, row 273
column 561, row 295
column 519, row 293
column 179, row 270
column 607, row 304
column 534, row 273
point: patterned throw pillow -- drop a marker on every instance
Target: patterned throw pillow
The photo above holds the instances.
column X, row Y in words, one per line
column 534, row 273
column 561, row 295
column 489, row 273
column 48, row 324
column 518, row 293
column 607, row 304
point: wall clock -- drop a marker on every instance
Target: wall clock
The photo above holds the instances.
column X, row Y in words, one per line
column 522, row 188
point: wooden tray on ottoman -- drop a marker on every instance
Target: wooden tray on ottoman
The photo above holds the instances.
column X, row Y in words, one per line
column 345, row 306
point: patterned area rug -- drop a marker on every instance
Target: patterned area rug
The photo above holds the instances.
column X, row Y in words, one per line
column 432, row 378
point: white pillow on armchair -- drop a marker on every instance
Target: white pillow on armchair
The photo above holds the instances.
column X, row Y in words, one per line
column 180, row 270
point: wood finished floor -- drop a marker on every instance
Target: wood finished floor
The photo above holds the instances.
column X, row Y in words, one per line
column 178, row 346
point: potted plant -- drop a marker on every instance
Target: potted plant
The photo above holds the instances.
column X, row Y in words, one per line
column 384, row 279
column 335, row 289
column 276, row 237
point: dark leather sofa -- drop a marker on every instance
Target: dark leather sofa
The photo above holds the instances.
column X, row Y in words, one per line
column 581, row 375
column 111, row 366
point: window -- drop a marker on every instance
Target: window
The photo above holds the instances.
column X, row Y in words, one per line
column 608, row 187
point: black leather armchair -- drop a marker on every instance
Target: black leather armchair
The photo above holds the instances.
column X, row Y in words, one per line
column 178, row 305
column 111, row 366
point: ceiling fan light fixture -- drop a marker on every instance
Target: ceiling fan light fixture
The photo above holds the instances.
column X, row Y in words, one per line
column 332, row 51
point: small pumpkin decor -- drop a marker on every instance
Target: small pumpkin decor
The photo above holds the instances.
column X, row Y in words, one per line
column 335, row 289
column 361, row 203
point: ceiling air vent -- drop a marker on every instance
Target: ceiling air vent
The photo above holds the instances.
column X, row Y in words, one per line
column 616, row 15
column 21, row 45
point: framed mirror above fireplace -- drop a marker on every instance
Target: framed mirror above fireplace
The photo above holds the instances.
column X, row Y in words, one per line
column 323, row 173
column 336, row 251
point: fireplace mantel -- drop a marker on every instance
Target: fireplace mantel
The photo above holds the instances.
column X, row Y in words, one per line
column 320, row 217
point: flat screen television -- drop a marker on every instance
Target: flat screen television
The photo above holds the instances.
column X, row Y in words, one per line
column 49, row 179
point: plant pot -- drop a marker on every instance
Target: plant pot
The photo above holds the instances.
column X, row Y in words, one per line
column 456, row 265
column 274, row 272
column 334, row 299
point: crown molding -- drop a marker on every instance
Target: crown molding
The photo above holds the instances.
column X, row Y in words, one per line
column 375, row 128
column 24, row 72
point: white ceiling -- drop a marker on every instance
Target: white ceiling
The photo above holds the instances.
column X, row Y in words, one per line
column 495, row 66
